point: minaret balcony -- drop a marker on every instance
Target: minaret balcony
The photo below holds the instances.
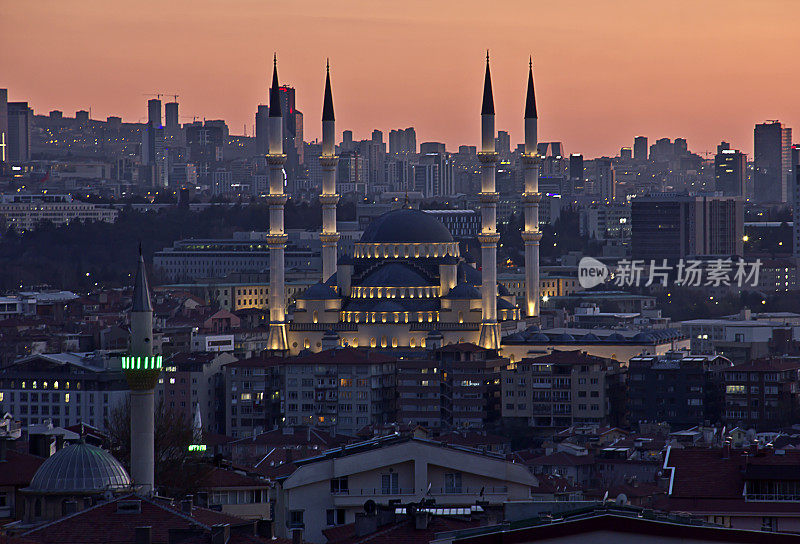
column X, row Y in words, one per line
column 531, row 198
column 276, row 159
column 329, row 237
column 531, row 159
column 488, row 198
column 489, row 238
column 328, row 161
column 277, row 239
column 487, row 157
column 531, row 236
column 277, row 199
column 142, row 372
column 329, row 200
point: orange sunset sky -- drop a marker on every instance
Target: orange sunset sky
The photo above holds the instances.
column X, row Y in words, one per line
column 605, row 71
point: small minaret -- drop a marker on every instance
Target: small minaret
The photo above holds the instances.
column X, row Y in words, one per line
column 530, row 199
column 329, row 235
column 488, row 238
column 276, row 239
column 142, row 369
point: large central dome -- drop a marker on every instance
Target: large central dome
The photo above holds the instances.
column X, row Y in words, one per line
column 405, row 225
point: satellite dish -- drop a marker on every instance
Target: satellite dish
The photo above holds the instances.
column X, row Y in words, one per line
column 622, row 499
column 370, row 507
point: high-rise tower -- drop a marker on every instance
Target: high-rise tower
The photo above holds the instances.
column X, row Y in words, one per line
column 531, row 198
column 329, row 198
column 142, row 369
column 488, row 238
column 277, row 237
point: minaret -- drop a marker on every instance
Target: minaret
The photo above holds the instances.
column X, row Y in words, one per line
column 142, row 369
column 276, row 239
column 329, row 236
column 488, row 238
column 531, row 198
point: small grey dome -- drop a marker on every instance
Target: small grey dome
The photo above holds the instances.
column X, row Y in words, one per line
column 80, row 468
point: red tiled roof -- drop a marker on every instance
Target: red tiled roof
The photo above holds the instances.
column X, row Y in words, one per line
column 471, row 438
column 570, row 357
column 403, row 532
column 102, row 524
column 18, row 468
column 463, row 347
column 561, row 459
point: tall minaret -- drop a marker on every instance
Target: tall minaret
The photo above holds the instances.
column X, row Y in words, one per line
column 142, row 369
column 488, row 238
column 329, row 236
column 531, row 198
column 276, row 239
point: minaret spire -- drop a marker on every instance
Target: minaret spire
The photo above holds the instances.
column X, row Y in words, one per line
column 327, row 103
column 274, row 91
column 488, row 99
column 141, row 288
column 530, row 99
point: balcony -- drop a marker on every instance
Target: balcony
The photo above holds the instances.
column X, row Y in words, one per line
column 356, row 497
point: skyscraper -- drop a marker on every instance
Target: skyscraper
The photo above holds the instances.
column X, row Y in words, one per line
column 19, row 131
column 640, row 148
column 605, row 181
column 675, row 226
column 154, row 112
column 262, row 130
column 4, row 125
column 171, row 115
column 771, row 162
column 730, row 171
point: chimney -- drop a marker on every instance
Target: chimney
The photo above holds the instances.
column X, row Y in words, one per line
column 421, row 519
column 186, row 505
column 3, row 449
column 297, row 536
column 264, row 528
column 220, row 534
column 365, row 524
column 726, row 449
column 70, row 507
column 143, row 535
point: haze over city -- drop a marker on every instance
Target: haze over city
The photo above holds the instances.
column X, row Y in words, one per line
column 605, row 71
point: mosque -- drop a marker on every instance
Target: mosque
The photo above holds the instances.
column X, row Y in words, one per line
column 406, row 284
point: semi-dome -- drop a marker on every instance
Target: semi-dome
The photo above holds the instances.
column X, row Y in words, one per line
column 405, row 225
column 80, row 468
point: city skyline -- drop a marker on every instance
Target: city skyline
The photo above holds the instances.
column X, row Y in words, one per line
column 383, row 87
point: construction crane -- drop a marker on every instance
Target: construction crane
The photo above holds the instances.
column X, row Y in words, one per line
column 157, row 95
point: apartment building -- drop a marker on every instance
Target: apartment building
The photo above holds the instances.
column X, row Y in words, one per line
column 331, row 489
column 64, row 388
column 344, row 389
column 676, row 388
column 763, row 394
column 26, row 212
column 456, row 387
column 194, row 382
column 563, row 388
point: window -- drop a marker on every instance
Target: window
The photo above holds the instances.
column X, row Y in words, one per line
column 339, row 485
column 335, row 516
column 452, row 482
column 390, row 483
column 296, row 519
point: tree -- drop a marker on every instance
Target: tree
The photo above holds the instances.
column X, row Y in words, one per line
column 173, row 435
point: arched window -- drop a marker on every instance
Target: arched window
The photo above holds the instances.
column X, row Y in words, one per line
column 372, row 342
column 315, row 316
column 37, row 508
